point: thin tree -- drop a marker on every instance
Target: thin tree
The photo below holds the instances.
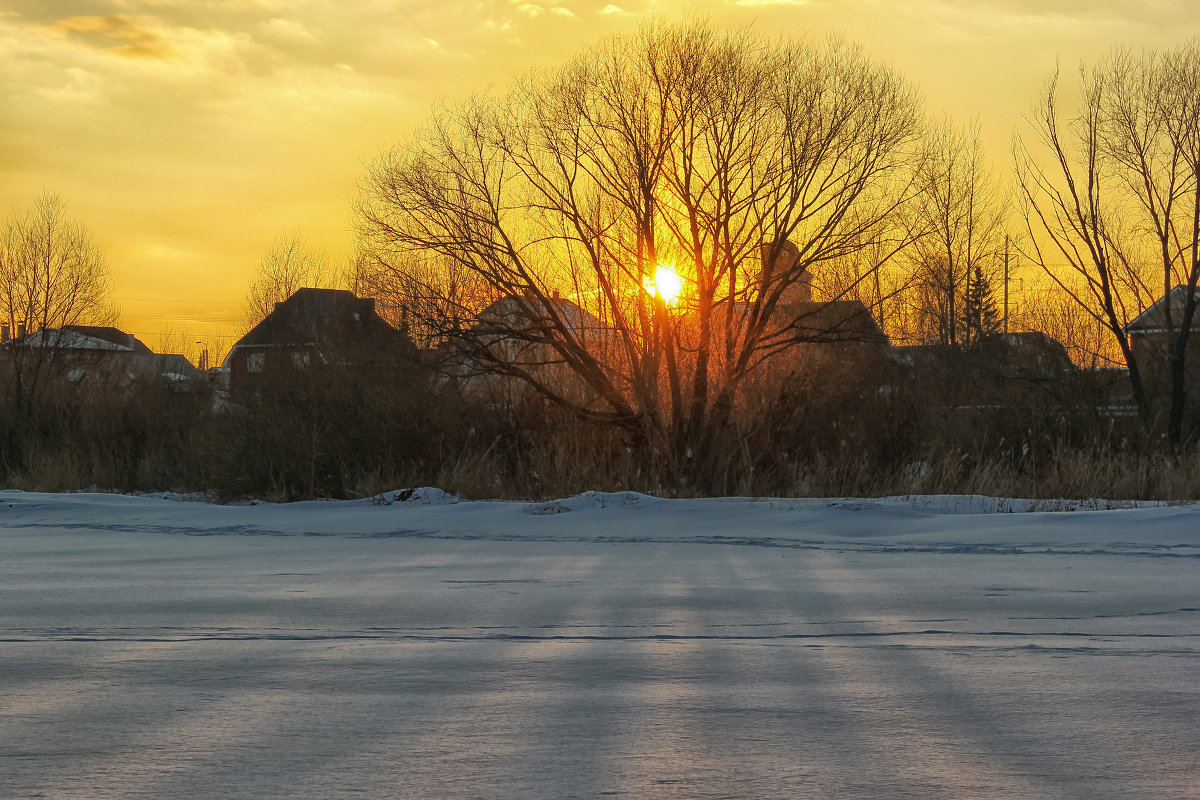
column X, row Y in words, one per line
column 289, row 263
column 739, row 162
column 961, row 221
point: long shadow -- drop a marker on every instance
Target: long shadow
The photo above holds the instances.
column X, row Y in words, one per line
column 974, row 721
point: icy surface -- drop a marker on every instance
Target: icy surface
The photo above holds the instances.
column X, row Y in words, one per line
column 604, row 645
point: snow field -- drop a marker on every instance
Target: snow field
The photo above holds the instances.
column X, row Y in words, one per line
column 603, row 645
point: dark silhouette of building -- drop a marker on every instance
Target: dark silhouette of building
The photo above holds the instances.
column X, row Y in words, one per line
column 315, row 331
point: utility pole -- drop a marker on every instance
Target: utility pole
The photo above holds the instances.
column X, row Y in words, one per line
column 1006, row 284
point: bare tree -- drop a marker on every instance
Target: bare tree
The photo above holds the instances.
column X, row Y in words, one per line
column 290, row 263
column 682, row 146
column 1073, row 225
column 878, row 274
column 960, row 218
column 52, row 274
column 1060, row 316
column 1121, row 202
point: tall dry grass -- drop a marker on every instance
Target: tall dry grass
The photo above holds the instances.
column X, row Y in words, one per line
column 828, row 436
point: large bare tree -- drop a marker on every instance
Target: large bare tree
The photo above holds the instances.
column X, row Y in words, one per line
column 52, row 274
column 1114, row 218
column 739, row 162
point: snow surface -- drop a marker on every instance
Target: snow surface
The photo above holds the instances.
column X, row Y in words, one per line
column 614, row 645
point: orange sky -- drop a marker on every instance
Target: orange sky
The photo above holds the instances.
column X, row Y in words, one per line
column 189, row 134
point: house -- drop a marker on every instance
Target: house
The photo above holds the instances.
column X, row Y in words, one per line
column 1148, row 332
column 316, row 331
column 813, row 334
column 834, row 323
column 513, row 336
column 95, row 354
column 1027, row 354
column 524, row 326
column 1000, row 370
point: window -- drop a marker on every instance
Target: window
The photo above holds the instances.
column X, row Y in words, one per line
column 300, row 360
column 255, row 362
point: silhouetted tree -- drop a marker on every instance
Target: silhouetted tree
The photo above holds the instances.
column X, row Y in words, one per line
column 684, row 145
column 960, row 222
column 52, row 274
column 1115, row 217
column 980, row 317
column 290, row 263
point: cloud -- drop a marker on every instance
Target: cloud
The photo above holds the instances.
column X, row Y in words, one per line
column 613, row 9
column 287, row 29
column 118, row 34
column 534, row 10
column 82, row 86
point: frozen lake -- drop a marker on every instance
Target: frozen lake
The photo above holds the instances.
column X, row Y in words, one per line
column 629, row 647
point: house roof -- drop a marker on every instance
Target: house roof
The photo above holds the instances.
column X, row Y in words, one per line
column 1032, row 351
column 837, row 321
column 534, row 314
column 1154, row 318
column 85, row 337
column 325, row 319
column 110, row 334
column 833, row 321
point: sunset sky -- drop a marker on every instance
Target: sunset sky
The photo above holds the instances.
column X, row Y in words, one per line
column 190, row 134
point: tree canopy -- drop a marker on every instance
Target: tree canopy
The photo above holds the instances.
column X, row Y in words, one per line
column 734, row 161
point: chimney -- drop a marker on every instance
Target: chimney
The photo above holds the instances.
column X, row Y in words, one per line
column 132, row 341
column 20, row 330
column 4, row 329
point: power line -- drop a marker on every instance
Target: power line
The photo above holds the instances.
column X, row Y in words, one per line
column 224, row 301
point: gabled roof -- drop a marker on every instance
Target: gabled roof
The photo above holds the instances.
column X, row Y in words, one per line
column 1032, row 350
column 168, row 364
column 110, row 334
column 533, row 314
column 1154, row 318
column 323, row 318
column 85, row 337
column 833, row 321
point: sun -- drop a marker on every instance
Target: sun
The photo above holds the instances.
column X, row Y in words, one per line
column 666, row 284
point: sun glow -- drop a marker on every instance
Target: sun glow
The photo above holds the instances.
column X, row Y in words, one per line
column 666, row 284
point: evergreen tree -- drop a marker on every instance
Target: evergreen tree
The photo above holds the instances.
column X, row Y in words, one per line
column 980, row 317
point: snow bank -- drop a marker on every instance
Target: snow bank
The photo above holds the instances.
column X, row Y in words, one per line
column 955, row 523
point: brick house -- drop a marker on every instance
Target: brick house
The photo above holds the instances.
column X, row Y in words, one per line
column 317, row 331
column 1148, row 332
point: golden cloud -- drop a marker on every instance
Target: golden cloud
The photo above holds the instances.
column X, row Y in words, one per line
column 117, row 34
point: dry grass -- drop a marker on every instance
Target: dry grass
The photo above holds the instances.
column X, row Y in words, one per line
column 351, row 446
